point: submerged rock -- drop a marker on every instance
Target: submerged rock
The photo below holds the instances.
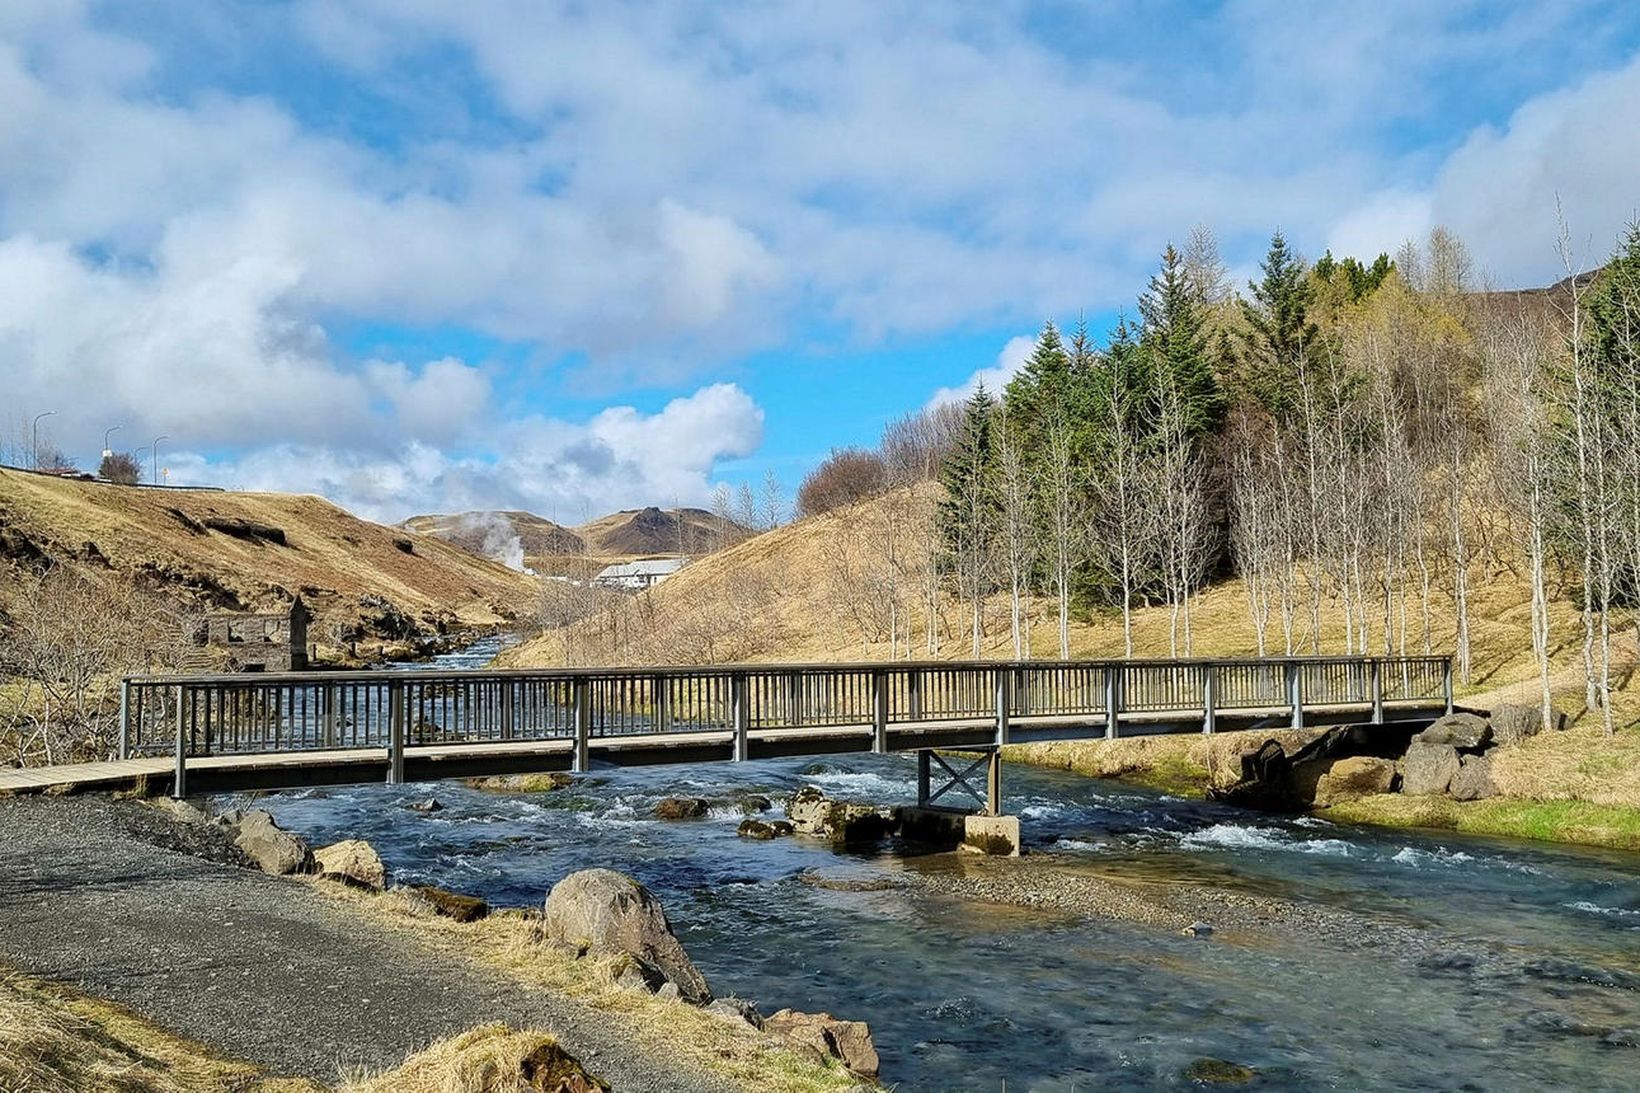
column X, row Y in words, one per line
column 602, row 911
column 1219, row 1072
column 1357, row 776
column 826, row 1037
column 682, row 808
column 1428, row 768
column 1197, row 929
column 432, row 804
column 1473, row 782
column 543, row 782
column 354, row 862
column 273, row 849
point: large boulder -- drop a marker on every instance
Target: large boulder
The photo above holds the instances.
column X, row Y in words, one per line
column 826, row 1037
column 813, row 813
column 354, row 862
column 273, row 849
column 602, row 911
column 1463, row 731
column 1428, row 768
column 1513, row 722
column 1473, row 782
column 1357, row 776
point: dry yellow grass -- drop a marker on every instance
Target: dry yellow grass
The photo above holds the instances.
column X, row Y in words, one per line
column 489, row 1059
column 509, row 942
column 330, row 556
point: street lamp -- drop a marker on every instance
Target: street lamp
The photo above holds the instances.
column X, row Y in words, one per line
column 155, row 448
column 108, row 432
column 37, row 418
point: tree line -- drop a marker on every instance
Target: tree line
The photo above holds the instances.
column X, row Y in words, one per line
column 1357, row 442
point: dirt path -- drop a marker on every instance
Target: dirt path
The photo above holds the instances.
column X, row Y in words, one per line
column 99, row 894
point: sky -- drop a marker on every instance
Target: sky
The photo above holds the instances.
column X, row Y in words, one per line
column 419, row 256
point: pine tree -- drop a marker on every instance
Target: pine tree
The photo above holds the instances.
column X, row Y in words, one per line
column 1175, row 341
column 1280, row 335
column 1044, row 380
column 968, row 511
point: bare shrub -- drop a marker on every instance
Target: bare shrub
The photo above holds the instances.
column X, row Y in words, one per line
column 847, row 475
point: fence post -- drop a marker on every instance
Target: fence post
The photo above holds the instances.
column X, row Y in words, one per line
column 582, row 757
column 879, row 710
column 395, row 733
column 1446, row 685
column 1210, row 698
column 740, row 715
column 1004, row 700
column 1295, row 692
column 125, row 719
column 506, row 709
column 1376, row 673
column 1113, row 699
column 179, row 784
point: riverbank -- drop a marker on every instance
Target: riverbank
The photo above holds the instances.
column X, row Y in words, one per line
column 289, row 979
column 1578, row 787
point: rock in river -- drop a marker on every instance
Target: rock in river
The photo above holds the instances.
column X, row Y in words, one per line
column 813, row 813
column 682, row 808
column 273, row 849
column 763, row 830
column 353, row 862
column 602, row 911
column 1428, row 768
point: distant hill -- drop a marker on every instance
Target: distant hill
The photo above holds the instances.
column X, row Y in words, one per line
column 507, row 536
column 220, row 550
column 660, row 531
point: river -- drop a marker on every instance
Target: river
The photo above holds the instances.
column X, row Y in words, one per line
column 1391, row 960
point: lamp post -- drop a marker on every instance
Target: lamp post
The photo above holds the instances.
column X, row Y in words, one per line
column 36, row 456
column 154, row 447
column 108, row 432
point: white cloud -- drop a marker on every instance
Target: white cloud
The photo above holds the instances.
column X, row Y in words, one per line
column 995, row 378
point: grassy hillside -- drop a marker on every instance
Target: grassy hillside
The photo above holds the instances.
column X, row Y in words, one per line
column 632, row 532
column 248, row 551
column 487, row 533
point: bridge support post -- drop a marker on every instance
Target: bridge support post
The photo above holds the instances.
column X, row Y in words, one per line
column 1004, row 702
column 1113, row 699
column 125, row 719
column 739, row 714
column 179, row 783
column 924, row 769
column 395, row 734
column 993, row 784
column 1295, row 692
column 879, row 711
column 1375, row 672
column 1210, row 698
column 582, row 759
column 1446, row 685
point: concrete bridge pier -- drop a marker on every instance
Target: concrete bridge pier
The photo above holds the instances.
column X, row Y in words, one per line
column 940, row 820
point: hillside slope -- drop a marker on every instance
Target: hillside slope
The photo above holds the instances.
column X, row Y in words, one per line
column 658, row 531
column 251, row 551
column 492, row 533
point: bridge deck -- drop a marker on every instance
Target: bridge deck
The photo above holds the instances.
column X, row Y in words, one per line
column 287, row 769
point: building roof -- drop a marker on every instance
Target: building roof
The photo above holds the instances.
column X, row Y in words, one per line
column 643, row 567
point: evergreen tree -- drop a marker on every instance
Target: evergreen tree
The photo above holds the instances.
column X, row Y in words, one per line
column 968, row 511
column 1280, row 334
column 1175, row 341
column 1045, row 379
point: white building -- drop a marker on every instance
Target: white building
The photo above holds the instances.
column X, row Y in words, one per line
column 640, row 574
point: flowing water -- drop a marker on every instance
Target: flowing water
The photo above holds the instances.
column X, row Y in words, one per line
column 1412, row 962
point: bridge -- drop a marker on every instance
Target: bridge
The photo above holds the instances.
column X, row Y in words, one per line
column 191, row 734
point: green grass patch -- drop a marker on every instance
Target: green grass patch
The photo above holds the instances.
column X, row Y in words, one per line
column 1548, row 821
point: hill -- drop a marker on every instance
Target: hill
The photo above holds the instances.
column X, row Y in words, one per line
column 211, row 550
column 651, row 530
column 507, row 536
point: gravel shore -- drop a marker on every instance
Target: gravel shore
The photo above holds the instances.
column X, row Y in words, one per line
column 124, row 902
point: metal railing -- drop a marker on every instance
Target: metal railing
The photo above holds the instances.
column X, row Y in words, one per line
column 313, row 711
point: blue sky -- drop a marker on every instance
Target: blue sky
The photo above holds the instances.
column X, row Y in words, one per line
column 420, row 256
